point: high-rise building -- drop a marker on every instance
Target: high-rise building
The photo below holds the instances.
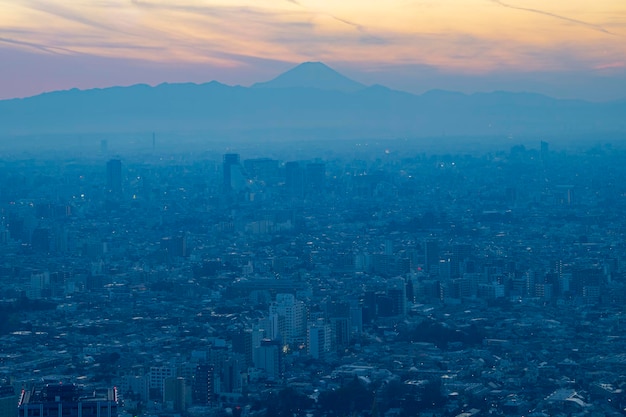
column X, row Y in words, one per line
column 290, row 316
column 203, row 384
column 59, row 400
column 175, row 394
column 318, row 339
column 136, row 387
column 396, row 291
column 114, row 176
column 232, row 172
column 315, row 177
column 158, row 374
column 545, row 150
column 268, row 356
column 262, row 169
column 40, row 240
column 8, row 401
column 431, row 254
column 175, row 246
column 460, row 254
column 294, row 179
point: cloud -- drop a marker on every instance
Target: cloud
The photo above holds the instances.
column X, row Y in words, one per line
column 469, row 36
column 366, row 36
column 37, row 46
column 556, row 16
column 58, row 10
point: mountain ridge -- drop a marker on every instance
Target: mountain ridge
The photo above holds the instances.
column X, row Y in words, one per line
column 295, row 102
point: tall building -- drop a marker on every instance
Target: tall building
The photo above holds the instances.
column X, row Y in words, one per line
column 294, row 179
column 175, row 246
column 460, row 254
column 289, row 315
column 8, row 401
column 268, row 356
column 318, row 339
column 233, row 177
column 203, row 384
column 61, row 400
column 315, row 177
column 431, row 254
column 114, row 176
column 262, row 169
column 158, row 374
column 40, row 240
column 545, row 150
column 396, row 291
column 175, row 394
column 136, row 387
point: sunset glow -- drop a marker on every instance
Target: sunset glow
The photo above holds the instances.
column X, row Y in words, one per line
column 465, row 37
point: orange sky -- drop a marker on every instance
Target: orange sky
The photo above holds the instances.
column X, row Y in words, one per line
column 471, row 38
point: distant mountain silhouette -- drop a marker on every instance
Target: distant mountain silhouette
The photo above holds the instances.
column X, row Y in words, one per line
column 312, row 75
column 310, row 100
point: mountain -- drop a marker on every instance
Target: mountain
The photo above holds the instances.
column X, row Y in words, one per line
column 309, row 101
column 313, row 75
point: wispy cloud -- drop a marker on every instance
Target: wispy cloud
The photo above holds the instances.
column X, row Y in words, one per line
column 455, row 35
column 61, row 11
column 38, row 46
column 366, row 35
column 556, row 16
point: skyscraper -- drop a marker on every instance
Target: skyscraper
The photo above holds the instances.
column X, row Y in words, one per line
column 203, row 384
column 431, row 254
column 230, row 161
column 318, row 339
column 315, row 177
column 175, row 394
column 8, row 401
column 290, row 315
column 268, row 357
column 114, row 176
column 294, row 179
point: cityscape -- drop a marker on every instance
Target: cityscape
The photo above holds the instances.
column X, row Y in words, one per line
column 376, row 279
column 299, row 208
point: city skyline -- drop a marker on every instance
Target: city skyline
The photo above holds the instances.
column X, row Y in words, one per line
column 572, row 50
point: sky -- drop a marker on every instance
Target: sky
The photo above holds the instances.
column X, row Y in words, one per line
column 562, row 48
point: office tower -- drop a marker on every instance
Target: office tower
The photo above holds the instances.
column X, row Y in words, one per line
column 40, row 240
column 158, row 374
column 431, row 255
column 230, row 373
column 294, row 179
column 315, row 177
column 136, row 386
column 203, row 384
column 340, row 328
column 245, row 341
column 460, row 253
column 268, row 356
column 230, row 170
column 8, row 401
column 114, row 176
column 175, row 394
column 175, row 246
column 67, row 400
column 318, row 339
column 396, row 291
column 545, row 150
column 290, row 316
column 262, row 169
column 39, row 285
